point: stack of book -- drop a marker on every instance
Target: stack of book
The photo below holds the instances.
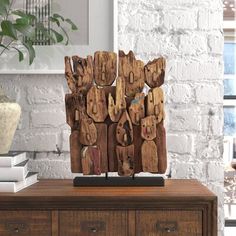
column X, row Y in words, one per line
column 14, row 174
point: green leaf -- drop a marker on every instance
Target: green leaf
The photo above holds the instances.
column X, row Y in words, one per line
column 55, row 20
column 24, row 28
column 56, row 15
column 8, row 29
column 73, row 26
column 24, row 15
column 58, row 36
column 4, row 5
column 20, row 53
column 31, row 51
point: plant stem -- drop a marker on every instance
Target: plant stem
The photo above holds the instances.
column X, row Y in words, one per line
column 6, row 47
column 9, row 9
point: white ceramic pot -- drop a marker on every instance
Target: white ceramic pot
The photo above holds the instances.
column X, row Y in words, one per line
column 9, row 118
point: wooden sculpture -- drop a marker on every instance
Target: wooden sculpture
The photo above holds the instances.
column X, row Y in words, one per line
column 115, row 128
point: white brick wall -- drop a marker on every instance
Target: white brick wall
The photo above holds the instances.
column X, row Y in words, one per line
column 188, row 34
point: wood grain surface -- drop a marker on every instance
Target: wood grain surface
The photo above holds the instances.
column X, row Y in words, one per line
column 116, row 108
column 133, row 72
column 149, row 157
column 97, row 104
column 124, row 130
column 125, row 157
column 137, row 108
column 105, row 67
column 155, row 72
column 148, row 128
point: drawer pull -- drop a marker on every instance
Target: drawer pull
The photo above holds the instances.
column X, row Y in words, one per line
column 93, row 230
column 93, row 226
column 167, row 226
column 15, row 227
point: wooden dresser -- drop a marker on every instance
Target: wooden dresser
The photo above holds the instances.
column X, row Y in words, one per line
column 55, row 207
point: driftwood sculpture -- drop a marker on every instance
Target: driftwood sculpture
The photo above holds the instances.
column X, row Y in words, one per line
column 115, row 128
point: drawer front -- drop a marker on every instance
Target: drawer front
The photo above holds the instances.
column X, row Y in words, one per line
column 30, row 223
column 86, row 223
column 168, row 223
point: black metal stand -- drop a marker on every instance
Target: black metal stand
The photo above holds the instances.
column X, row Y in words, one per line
column 118, row 181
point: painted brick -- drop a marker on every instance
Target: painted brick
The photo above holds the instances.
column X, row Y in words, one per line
column 209, row 93
column 176, row 19
column 48, row 118
column 181, row 93
column 180, row 143
column 184, row 119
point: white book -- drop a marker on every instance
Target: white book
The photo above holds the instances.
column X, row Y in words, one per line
column 15, row 173
column 12, row 158
column 13, row 187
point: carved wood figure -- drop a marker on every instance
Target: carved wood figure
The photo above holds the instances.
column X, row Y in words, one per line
column 133, row 72
column 137, row 109
column 124, row 130
column 155, row 72
column 69, row 75
column 87, row 131
column 125, row 157
column 148, row 128
column 105, row 67
column 149, row 157
column 115, row 128
column 115, row 109
column 91, row 160
column 83, row 73
column 75, row 108
column 155, row 104
column 97, row 104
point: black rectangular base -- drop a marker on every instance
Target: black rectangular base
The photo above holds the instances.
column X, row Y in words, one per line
column 118, row 181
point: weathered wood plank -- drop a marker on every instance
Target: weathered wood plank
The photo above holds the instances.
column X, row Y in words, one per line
column 160, row 141
column 97, row 104
column 125, row 157
column 75, row 152
column 148, row 128
column 137, row 109
column 155, row 72
column 124, row 130
column 149, row 157
column 69, row 75
column 138, row 141
column 155, row 104
column 91, row 160
column 105, row 67
column 87, row 131
column 133, row 72
column 115, row 109
column 112, row 143
column 83, row 73
column 102, row 145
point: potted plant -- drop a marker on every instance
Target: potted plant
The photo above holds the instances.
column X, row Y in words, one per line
column 18, row 32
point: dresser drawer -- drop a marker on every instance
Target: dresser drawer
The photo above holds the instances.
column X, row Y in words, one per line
column 168, row 223
column 30, row 223
column 86, row 223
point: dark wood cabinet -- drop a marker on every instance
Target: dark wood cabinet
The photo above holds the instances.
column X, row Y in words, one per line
column 55, row 207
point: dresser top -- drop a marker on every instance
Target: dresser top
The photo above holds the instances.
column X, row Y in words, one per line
column 61, row 193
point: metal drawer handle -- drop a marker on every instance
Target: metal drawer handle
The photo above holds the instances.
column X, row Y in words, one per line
column 167, row 226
